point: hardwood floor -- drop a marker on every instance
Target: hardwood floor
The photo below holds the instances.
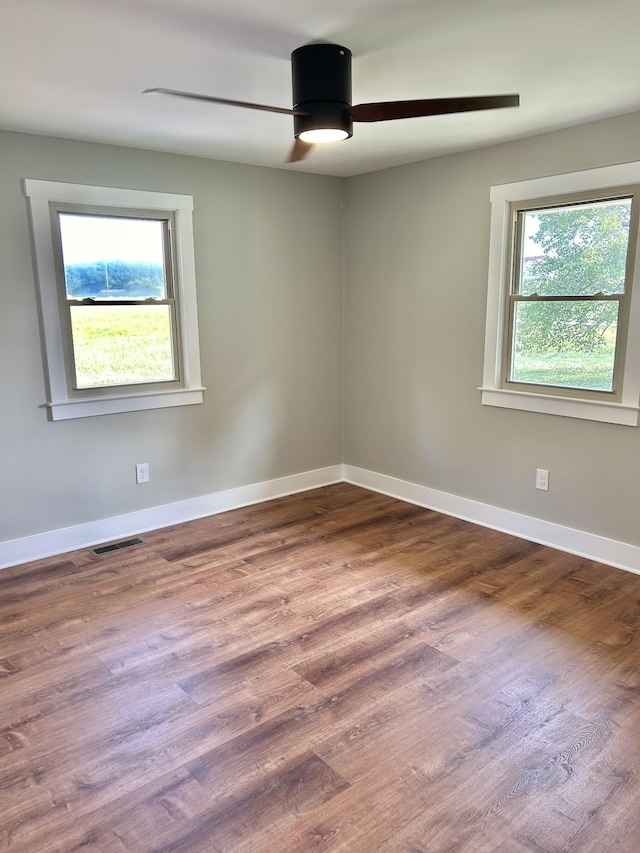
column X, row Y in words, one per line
column 333, row 671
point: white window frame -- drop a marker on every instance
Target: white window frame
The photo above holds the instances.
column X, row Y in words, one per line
column 626, row 410
column 61, row 403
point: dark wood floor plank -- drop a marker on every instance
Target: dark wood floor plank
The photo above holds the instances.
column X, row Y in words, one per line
column 332, row 671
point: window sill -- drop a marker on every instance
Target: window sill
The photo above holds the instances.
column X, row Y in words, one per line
column 89, row 406
column 590, row 410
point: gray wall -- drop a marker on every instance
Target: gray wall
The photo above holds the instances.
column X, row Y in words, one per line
column 269, row 276
column 417, row 251
column 269, row 262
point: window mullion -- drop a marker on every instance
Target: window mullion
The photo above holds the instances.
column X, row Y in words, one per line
column 107, row 303
column 595, row 297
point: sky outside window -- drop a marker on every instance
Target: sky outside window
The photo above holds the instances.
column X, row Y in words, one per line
column 87, row 239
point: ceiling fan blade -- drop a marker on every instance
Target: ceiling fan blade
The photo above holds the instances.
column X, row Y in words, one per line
column 388, row 110
column 212, row 100
column 299, row 151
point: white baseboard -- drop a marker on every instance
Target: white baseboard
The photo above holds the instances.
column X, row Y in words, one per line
column 93, row 533
column 610, row 551
column 593, row 547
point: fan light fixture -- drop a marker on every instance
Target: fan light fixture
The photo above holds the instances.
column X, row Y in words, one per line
column 321, row 77
column 323, row 134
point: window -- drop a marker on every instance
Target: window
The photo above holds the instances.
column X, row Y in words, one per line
column 563, row 325
column 117, row 292
column 567, row 306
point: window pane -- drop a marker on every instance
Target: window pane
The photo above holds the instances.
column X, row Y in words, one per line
column 575, row 251
column 122, row 344
column 565, row 344
column 112, row 257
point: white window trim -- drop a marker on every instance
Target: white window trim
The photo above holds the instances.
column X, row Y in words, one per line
column 627, row 411
column 59, row 403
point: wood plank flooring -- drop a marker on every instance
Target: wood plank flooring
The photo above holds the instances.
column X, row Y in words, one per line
column 332, row 671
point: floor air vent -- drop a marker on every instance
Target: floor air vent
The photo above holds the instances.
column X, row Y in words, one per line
column 116, row 546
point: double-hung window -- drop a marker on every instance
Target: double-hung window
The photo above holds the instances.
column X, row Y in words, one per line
column 563, row 329
column 117, row 292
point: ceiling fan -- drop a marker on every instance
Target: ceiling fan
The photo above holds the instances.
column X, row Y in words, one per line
column 322, row 109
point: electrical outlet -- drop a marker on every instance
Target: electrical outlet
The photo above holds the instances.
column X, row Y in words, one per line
column 542, row 479
column 142, row 472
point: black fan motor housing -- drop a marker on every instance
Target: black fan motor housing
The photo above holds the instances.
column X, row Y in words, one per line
column 322, row 87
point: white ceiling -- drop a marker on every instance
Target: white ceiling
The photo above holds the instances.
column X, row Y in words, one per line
column 77, row 68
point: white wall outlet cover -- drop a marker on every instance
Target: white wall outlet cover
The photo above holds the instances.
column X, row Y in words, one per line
column 542, row 479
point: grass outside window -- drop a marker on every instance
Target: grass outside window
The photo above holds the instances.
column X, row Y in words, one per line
column 121, row 344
